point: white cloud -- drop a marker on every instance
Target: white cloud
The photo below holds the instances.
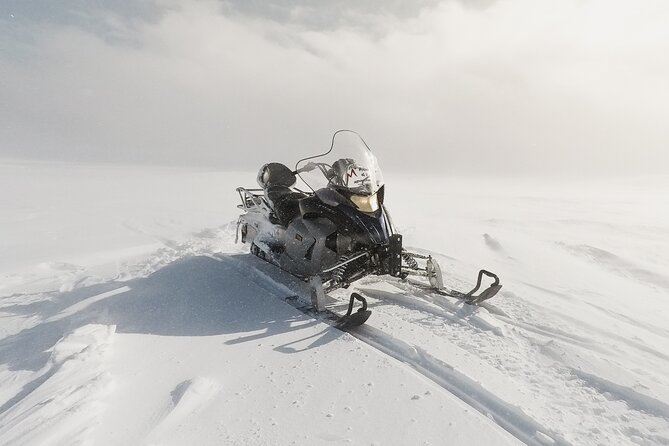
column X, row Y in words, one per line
column 520, row 85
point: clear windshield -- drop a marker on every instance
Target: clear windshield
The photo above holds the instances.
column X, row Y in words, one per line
column 348, row 164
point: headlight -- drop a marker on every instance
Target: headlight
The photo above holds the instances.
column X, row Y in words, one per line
column 366, row 203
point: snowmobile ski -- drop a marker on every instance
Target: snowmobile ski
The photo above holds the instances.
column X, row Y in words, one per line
column 432, row 271
column 471, row 297
column 361, row 315
column 347, row 321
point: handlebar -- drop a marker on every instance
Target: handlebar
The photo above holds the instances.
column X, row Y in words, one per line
column 307, row 168
column 324, row 167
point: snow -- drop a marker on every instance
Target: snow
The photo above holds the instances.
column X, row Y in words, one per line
column 129, row 316
column 61, row 404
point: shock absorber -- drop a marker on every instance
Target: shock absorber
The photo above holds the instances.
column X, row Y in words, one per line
column 410, row 261
column 338, row 273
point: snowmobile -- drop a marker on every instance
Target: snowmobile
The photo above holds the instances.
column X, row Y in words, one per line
column 337, row 229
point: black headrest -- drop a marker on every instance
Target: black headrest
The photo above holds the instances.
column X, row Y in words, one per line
column 276, row 174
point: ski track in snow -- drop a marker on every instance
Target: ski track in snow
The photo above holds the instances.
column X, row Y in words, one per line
column 526, row 361
column 487, row 331
column 511, row 418
column 508, row 417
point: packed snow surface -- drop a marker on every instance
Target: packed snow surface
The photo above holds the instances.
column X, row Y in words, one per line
column 128, row 315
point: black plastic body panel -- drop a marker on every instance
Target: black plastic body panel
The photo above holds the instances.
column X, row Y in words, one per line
column 364, row 229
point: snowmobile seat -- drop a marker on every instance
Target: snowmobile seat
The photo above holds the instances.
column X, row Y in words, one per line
column 285, row 203
column 277, row 180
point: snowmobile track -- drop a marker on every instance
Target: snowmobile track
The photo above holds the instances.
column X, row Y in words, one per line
column 509, row 417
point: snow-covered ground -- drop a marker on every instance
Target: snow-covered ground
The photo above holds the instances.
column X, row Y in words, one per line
column 129, row 316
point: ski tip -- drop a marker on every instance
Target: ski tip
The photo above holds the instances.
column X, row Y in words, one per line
column 354, row 320
column 358, row 318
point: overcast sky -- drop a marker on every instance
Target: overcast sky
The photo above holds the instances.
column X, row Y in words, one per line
column 569, row 86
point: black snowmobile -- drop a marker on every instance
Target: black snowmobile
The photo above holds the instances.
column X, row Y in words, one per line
column 339, row 230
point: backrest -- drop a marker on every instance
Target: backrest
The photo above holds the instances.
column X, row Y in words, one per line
column 276, row 174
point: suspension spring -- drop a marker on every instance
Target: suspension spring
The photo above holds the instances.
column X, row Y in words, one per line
column 338, row 273
column 410, row 261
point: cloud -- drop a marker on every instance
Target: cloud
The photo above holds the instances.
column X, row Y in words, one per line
column 510, row 86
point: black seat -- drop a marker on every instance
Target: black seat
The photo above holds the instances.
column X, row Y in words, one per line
column 277, row 180
column 285, row 202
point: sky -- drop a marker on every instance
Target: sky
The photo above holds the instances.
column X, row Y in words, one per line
column 454, row 86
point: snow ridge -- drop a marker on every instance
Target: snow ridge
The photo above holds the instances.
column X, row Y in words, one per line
column 61, row 405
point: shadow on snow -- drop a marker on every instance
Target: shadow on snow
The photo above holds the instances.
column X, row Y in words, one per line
column 196, row 296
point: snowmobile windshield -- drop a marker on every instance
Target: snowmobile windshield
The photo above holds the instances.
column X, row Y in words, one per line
column 349, row 165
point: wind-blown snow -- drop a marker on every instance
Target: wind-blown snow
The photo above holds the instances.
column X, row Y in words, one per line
column 129, row 316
